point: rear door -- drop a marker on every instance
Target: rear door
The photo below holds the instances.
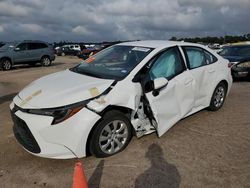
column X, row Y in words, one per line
column 175, row 100
column 33, row 51
column 201, row 65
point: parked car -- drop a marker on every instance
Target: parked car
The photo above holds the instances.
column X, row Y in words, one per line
column 75, row 47
column 236, row 53
column 92, row 51
column 135, row 87
column 67, row 51
column 241, row 70
column 26, row 52
column 1, row 44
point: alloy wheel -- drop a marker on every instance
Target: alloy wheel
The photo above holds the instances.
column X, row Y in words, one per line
column 113, row 137
column 219, row 96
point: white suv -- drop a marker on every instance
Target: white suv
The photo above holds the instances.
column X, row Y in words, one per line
column 135, row 87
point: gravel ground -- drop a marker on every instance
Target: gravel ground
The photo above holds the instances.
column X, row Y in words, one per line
column 207, row 149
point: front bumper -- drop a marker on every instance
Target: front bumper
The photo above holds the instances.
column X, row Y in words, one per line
column 67, row 139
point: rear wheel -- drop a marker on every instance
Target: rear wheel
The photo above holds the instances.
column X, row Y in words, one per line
column 5, row 64
column 45, row 61
column 218, row 97
column 111, row 135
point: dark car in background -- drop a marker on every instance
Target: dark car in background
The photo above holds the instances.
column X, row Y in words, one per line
column 62, row 51
column 84, row 54
column 241, row 70
column 235, row 53
column 239, row 57
column 1, row 44
column 26, row 52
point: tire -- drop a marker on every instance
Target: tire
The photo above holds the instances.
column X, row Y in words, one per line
column 45, row 60
column 115, row 131
column 5, row 64
column 218, row 97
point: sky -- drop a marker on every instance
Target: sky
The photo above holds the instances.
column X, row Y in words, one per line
column 109, row 20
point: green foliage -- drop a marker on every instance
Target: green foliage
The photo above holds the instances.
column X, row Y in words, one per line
column 220, row 40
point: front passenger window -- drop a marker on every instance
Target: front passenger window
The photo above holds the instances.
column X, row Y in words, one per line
column 167, row 65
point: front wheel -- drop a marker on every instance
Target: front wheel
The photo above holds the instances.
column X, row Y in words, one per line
column 5, row 64
column 218, row 97
column 111, row 135
column 45, row 61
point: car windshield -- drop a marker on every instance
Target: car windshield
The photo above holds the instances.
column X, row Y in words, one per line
column 115, row 62
column 235, row 51
column 8, row 46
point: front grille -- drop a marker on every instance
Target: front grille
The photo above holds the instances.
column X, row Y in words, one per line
column 24, row 135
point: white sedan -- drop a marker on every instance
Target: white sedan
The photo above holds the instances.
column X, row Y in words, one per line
column 132, row 88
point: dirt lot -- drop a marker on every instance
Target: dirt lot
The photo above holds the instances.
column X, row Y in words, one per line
column 208, row 149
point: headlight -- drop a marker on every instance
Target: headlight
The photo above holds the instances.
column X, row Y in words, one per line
column 59, row 114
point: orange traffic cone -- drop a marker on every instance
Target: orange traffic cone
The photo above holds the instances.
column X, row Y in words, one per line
column 79, row 179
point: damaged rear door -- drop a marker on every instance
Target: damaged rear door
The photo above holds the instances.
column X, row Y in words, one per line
column 172, row 102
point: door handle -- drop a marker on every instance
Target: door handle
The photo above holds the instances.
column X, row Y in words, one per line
column 187, row 81
column 211, row 70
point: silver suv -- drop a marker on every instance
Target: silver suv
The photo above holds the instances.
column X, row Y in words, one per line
column 26, row 52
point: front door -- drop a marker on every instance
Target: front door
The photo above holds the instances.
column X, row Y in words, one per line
column 175, row 100
column 20, row 53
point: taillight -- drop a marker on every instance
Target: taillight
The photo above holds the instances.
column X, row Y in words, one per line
column 230, row 64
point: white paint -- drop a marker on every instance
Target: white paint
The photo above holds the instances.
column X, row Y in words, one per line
column 183, row 95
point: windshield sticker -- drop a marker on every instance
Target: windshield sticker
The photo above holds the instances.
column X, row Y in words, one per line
column 94, row 92
column 90, row 59
column 141, row 49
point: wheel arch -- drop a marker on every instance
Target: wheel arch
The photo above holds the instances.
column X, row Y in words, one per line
column 125, row 110
column 6, row 57
column 45, row 55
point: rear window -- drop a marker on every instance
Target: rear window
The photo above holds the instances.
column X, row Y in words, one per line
column 34, row 46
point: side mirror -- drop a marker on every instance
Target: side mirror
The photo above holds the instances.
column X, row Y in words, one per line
column 17, row 49
column 160, row 83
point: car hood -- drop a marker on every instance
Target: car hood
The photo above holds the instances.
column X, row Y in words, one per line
column 60, row 89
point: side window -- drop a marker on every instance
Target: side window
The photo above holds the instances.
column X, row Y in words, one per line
column 32, row 46
column 209, row 58
column 168, row 64
column 22, row 46
column 196, row 57
column 41, row 45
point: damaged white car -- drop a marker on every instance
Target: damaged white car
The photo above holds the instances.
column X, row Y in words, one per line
column 133, row 88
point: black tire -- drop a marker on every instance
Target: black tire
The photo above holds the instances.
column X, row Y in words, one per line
column 45, row 61
column 5, row 64
column 100, row 130
column 218, row 97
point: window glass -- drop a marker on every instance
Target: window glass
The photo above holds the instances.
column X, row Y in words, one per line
column 41, row 45
column 115, row 62
column 195, row 57
column 167, row 65
column 32, row 46
column 22, row 46
column 209, row 57
column 244, row 51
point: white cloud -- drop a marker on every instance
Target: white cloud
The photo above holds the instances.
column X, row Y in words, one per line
column 80, row 30
column 33, row 28
column 99, row 20
column 10, row 9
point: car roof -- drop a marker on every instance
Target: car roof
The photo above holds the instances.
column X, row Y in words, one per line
column 157, row 43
